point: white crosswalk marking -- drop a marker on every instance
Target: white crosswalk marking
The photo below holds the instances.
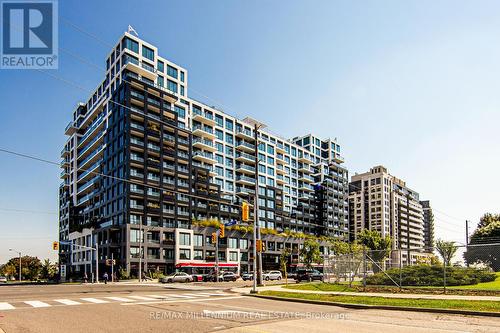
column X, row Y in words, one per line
column 143, row 298
column 119, row 299
column 195, row 295
column 215, row 294
column 94, row 300
column 180, row 296
column 37, row 304
column 6, row 306
column 158, row 296
column 67, row 301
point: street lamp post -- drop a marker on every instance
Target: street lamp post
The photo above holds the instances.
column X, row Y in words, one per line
column 18, row 252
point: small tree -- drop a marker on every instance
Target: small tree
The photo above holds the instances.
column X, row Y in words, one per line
column 48, row 270
column 379, row 246
column 285, row 254
column 446, row 250
column 310, row 253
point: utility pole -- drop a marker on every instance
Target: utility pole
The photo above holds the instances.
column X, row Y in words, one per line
column 408, row 259
column 112, row 268
column 467, row 239
column 96, row 258
column 217, row 255
column 256, row 229
column 140, row 250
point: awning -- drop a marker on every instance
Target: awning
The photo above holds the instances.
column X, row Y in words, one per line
column 204, row 264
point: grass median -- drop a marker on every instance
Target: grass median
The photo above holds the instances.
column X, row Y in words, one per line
column 486, row 306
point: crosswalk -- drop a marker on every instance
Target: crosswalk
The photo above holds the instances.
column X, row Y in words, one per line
column 130, row 299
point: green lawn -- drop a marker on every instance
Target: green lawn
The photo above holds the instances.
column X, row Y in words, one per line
column 321, row 287
column 490, row 306
column 493, row 285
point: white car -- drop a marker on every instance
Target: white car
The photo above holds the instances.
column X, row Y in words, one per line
column 272, row 275
column 3, row 279
column 177, row 277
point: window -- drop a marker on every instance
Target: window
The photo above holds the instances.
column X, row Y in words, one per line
column 182, row 90
column 131, row 45
column 148, row 53
column 219, row 158
column 233, row 256
column 172, row 71
column 184, row 239
column 180, row 111
column 229, row 124
column 219, row 120
column 198, row 240
column 270, row 149
column 220, row 147
column 229, row 138
column 243, row 244
column 168, row 254
column 219, row 134
column 172, row 86
column 270, row 171
column 233, row 243
column 184, row 254
column 198, row 255
column 161, row 66
column 182, row 76
column 161, row 81
column 262, row 146
column 134, row 236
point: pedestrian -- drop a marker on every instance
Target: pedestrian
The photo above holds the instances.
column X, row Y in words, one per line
column 105, row 277
column 85, row 278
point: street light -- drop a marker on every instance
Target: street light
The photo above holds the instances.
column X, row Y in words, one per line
column 18, row 252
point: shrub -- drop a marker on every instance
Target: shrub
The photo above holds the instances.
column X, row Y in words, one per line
column 427, row 275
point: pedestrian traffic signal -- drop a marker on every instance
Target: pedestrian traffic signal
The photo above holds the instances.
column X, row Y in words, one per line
column 110, row 262
column 55, row 246
column 214, row 238
column 263, row 246
column 222, row 231
column 245, row 211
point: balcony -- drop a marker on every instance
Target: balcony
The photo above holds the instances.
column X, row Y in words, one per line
column 306, row 178
column 142, row 68
column 203, row 118
column 245, row 180
column 247, row 169
column 304, row 158
column 244, row 157
column 70, row 128
column 280, row 148
column 64, row 152
column 92, row 158
column 64, row 162
column 90, row 170
column 96, row 123
column 244, row 134
column 338, row 158
column 204, row 131
column 280, row 170
column 204, row 157
column 64, row 174
column 137, row 142
column 245, row 146
column 204, row 144
column 88, row 147
column 244, row 191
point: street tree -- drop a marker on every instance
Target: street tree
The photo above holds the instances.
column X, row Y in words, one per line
column 446, row 250
column 379, row 247
column 310, row 253
column 481, row 248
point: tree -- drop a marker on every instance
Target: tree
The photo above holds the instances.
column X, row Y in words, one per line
column 30, row 267
column 379, row 246
column 310, row 253
column 285, row 254
column 446, row 250
column 479, row 249
column 48, row 270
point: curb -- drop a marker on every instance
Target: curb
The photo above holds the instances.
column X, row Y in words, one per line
column 379, row 307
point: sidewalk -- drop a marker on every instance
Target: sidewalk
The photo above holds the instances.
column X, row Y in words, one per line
column 387, row 295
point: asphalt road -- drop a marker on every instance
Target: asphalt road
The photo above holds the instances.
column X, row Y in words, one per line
column 200, row 308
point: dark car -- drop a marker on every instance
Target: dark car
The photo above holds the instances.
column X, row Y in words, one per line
column 308, row 275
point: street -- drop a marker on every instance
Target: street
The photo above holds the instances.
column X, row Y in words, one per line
column 200, row 308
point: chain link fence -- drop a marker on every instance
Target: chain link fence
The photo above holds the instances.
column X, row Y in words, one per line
column 415, row 267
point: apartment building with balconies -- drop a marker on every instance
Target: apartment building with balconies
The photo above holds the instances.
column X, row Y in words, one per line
column 140, row 152
column 379, row 201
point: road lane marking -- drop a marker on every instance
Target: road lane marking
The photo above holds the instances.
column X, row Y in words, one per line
column 215, row 294
column 6, row 306
column 119, row 299
column 37, row 304
column 195, row 295
column 94, row 300
column 67, row 302
column 180, row 296
column 142, row 298
column 184, row 300
column 158, row 296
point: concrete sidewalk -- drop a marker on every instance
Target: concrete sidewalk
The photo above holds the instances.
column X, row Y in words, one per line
column 387, row 295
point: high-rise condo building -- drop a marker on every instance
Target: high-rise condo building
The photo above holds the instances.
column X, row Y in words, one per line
column 146, row 169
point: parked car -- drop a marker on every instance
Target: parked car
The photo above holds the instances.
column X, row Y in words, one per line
column 308, row 275
column 292, row 275
column 177, row 277
column 3, row 279
column 272, row 275
column 247, row 276
column 230, row 276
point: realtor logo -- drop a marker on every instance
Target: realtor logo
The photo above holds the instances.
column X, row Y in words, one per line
column 29, row 35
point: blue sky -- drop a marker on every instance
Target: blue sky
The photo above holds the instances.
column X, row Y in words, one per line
column 412, row 85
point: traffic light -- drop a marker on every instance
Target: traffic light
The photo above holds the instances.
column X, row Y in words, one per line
column 55, row 246
column 222, row 231
column 263, row 246
column 245, row 211
column 214, row 238
column 258, row 244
